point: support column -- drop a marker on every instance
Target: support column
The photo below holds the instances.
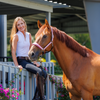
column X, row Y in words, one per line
column 93, row 18
column 3, row 35
column 48, row 17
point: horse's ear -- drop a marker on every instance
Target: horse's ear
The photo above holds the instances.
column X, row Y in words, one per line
column 47, row 24
column 39, row 24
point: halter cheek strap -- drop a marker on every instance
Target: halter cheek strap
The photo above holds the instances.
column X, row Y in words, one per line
column 51, row 42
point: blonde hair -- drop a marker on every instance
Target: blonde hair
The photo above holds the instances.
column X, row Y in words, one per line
column 14, row 29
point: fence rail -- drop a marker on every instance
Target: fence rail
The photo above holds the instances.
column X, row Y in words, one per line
column 27, row 80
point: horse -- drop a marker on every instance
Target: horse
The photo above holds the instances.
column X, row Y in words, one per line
column 80, row 65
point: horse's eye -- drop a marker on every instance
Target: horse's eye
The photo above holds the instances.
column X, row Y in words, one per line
column 44, row 36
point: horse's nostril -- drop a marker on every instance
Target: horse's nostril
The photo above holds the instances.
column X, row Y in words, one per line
column 32, row 53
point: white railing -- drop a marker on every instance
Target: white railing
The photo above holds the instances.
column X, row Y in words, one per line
column 28, row 78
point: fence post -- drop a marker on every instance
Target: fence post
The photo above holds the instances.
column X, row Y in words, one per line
column 33, row 85
column 9, row 76
column 22, row 85
column 15, row 85
column 47, row 88
column 52, row 93
column 27, row 86
column 3, row 76
column 30, row 87
column 49, row 81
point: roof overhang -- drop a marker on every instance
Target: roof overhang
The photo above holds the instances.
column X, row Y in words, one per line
column 29, row 4
column 52, row 3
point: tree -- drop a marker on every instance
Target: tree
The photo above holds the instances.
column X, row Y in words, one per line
column 83, row 39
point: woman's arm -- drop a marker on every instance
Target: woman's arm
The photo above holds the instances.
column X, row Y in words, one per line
column 13, row 49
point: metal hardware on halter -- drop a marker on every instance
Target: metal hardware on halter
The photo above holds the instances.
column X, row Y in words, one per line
column 51, row 42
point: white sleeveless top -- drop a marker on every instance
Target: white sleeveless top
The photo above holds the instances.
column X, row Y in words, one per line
column 22, row 44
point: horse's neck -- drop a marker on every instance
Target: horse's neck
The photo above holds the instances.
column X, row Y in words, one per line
column 64, row 55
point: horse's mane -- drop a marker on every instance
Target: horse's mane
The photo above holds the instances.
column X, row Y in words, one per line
column 70, row 42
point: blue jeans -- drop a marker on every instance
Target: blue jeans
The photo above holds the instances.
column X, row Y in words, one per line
column 28, row 65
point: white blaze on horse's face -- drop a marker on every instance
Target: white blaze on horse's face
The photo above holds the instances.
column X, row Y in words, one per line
column 42, row 39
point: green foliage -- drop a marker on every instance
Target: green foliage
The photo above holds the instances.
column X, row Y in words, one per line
column 83, row 39
column 57, row 68
column 8, row 49
column 96, row 97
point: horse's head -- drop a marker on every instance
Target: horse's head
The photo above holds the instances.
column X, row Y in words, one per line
column 43, row 41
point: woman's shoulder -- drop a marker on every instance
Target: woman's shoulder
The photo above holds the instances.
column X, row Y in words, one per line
column 28, row 33
column 16, row 35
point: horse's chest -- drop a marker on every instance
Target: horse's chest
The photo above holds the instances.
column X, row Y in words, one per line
column 69, row 85
column 70, row 88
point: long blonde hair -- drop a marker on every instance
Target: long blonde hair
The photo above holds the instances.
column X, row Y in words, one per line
column 14, row 29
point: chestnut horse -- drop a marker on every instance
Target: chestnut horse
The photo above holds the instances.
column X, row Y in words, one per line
column 80, row 65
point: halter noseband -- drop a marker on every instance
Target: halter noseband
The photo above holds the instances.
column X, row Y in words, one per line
column 51, row 42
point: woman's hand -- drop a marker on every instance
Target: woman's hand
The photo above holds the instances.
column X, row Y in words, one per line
column 20, row 67
column 35, row 62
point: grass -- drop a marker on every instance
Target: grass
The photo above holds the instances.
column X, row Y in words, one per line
column 59, row 75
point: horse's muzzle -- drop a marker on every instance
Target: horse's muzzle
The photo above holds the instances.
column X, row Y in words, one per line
column 33, row 55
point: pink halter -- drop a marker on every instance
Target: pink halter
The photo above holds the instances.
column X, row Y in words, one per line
column 51, row 42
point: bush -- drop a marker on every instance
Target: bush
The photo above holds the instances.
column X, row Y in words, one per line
column 57, row 70
column 62, row 92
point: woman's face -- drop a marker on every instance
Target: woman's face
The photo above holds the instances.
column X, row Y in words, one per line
column 21, row 26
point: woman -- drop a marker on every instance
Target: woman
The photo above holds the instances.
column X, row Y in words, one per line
column 21, row 42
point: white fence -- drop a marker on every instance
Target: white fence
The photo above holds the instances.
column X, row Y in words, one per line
column 28, row 78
